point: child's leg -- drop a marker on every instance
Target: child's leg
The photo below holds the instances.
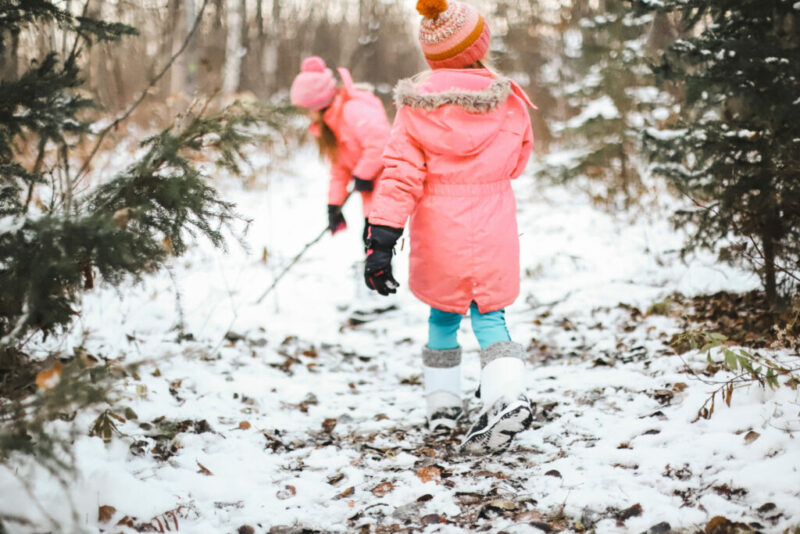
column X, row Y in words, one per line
column 506, row 410
column 489, row 328
column 443, row 330
column 442, row 370
column 501, row 359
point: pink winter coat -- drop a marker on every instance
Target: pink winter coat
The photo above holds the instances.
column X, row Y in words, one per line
column 460, row 137
column 359, row 122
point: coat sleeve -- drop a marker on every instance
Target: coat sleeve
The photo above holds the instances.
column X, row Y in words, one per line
column 403, row 179
column 337, row 190
column 368, row 125
column 525, row 153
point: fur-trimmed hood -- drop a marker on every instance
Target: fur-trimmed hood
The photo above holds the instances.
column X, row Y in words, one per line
column 408, row 93
column 464, row 108
column 477, row 91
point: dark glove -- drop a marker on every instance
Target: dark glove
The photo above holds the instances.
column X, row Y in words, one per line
column 336, row 220
column 365, row 186
column 380, row 248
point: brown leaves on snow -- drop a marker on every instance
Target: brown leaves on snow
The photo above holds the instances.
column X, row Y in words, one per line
column 430, row 474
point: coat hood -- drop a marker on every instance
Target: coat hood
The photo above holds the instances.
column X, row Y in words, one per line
column 460, row 110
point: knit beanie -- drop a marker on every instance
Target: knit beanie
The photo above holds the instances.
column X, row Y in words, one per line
column 315, row 86
column 452, row 34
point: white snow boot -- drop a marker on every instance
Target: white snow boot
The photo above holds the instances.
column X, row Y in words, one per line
column 442, row 377
column 506, row 410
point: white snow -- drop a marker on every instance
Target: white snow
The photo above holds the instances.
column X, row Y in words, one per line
column 602, row 107
column 11, row 223
column 299, row 363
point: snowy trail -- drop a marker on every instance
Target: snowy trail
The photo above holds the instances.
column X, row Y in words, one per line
column 302, row 419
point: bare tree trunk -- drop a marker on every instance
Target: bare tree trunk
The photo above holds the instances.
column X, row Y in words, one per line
column 770, row 283
column 177, row 35
column 270, row 45
column 255, row 54
column 245, row 74
column 190, row 54
column 233, row 57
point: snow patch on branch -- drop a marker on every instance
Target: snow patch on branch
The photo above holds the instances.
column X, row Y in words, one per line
column 603, row 108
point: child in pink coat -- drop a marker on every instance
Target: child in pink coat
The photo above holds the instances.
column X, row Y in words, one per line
column 351, row 129
column 461, row 134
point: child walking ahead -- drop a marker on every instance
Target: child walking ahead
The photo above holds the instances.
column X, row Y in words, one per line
column 351, row 129
column 461, row 134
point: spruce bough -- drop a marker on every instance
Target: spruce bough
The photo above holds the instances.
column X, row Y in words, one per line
column 735, row 150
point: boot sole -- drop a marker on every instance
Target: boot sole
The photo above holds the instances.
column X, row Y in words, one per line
column 497, row 436
column 444, row 423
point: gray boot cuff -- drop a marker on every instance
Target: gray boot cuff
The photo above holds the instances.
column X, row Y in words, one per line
column 503, row 349
column 441, row 359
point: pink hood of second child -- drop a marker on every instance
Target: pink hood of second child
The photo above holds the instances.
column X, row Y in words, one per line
column 459, row 138
column 359, row 122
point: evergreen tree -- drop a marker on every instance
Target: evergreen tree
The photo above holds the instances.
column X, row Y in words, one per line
column 55, row 236
column 610, row 89
column 736, row 149
column 57, row 232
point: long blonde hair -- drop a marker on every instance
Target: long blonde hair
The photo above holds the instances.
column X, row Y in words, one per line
column 327, row 143
column 484, row 63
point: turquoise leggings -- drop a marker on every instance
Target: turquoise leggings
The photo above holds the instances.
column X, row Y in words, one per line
column 489, row 328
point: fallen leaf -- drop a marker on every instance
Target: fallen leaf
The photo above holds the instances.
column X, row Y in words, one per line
column 679, row 386
column 105, row 513
column 346, row 493
column 502, row 504
column 633, row 511
column 246, row 529
column 244, row 425
column 663, row 396
column 203, row 469
column 48, row 378
column 723, row 525
column 751, row 436
column 528, row 516
column 428, row 474
column 660, row 528
column 425, row 451
column 127, row 522
column 432, row 519
column 766, row 508
column 382, row 489
column 553, row 473
column 491, row 474
column 287, row 492
column 335, row 479
column 425, row 498
column 329, row 424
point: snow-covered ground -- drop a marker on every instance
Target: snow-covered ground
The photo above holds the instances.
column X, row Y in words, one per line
column 304, row 418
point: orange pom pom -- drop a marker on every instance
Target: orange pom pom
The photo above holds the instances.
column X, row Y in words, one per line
column 431, row 8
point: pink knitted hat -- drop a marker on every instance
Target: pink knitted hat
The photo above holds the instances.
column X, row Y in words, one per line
column 315, row 86
column 452, row 36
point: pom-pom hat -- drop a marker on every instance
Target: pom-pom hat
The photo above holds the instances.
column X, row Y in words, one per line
column 315, row 86
column 452, row 35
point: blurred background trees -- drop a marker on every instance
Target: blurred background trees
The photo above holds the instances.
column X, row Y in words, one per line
column 607, row 75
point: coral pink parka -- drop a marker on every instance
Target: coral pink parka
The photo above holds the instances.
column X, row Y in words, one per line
column 459, row 138
column 358, row 120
